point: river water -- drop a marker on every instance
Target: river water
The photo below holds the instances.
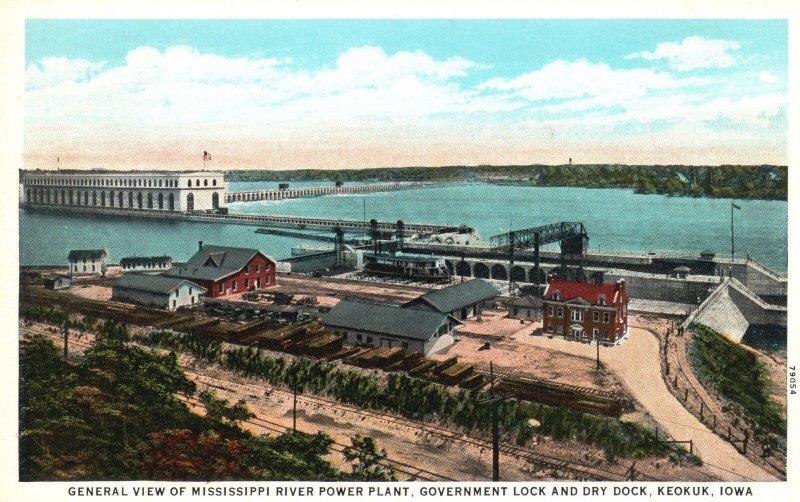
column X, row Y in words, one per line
column 614, row 219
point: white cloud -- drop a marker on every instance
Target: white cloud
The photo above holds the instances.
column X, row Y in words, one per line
column 51, row 71
column 365, row 101
column 693, row 53
column 585, row 85
column 768, row 77
column 183, row 86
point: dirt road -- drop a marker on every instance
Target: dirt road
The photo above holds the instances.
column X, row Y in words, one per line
column 637, row 364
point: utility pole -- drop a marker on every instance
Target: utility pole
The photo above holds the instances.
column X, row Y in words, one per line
column 66, row 341
column 294, row 407
column 733, row 249
column 495, row 429
column 597, row 340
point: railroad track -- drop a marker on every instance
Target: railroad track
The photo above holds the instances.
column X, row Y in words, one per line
column 576, row 389
column 575, row 469
column 414, row 472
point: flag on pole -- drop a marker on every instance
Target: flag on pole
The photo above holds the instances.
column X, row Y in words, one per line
column 734, row 205
column 206, row 155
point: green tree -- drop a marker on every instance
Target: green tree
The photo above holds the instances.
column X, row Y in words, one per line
column 367, row 461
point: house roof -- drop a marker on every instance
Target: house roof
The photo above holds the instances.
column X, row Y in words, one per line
column 137, row 260
column 212, row 263
column 55, row 277
column 88, row 254
column 526, row 301
column 458, row 296
column 570, row 290
column 153, row 283
column 419, row 324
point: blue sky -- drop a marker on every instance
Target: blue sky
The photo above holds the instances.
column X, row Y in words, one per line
column 362, row 93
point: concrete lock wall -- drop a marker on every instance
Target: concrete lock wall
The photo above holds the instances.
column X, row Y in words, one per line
column 666, row 289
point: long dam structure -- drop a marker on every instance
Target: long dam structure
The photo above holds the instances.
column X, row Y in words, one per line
column 299, row 193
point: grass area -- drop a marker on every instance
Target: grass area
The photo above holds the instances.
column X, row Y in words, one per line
column 741, row 379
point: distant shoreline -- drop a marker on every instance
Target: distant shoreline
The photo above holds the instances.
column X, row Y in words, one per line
column 737, row 182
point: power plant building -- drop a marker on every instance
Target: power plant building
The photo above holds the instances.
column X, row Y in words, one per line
column 140, row 190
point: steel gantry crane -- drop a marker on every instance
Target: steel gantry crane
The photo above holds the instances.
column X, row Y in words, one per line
column 571, row 235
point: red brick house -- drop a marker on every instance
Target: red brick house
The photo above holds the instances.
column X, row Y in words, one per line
column 584, row 312
column 225, row 270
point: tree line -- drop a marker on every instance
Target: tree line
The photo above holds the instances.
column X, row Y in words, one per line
column 728, row 181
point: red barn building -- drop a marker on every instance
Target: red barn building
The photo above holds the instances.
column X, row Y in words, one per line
column 225, row 270
column 584, row 312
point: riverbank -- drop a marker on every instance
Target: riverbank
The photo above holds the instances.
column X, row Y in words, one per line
column 738, row 182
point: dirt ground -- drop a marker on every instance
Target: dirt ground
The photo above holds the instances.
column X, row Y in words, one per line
column 636, row 364
column 91, row 291
column 509, row 353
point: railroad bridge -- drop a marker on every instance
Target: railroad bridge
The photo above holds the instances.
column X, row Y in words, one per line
column 298, row 193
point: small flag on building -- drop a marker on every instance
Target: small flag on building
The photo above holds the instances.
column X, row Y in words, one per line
column 734, row 205
column 206, row 155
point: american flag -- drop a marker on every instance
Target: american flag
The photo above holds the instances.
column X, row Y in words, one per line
column 206, row 155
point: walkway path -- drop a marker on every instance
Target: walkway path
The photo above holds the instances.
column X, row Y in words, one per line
column 637, row 363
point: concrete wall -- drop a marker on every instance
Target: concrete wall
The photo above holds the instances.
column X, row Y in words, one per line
column 664, row 288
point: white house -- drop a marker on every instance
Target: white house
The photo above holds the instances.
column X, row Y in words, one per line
column 88, row 261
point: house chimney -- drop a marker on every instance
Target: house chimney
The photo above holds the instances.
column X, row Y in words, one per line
column 200, row 245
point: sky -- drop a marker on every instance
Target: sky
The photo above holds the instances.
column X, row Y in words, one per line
column 285, row 94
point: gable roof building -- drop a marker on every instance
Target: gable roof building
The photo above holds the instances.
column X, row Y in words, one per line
column 146, row 263
column 459, row 300
column 156, row 290
column 88, row 261
column 379, row 324
column 226, row 269
column 586, row 312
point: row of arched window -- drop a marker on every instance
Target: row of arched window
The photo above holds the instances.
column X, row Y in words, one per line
column 103, row 198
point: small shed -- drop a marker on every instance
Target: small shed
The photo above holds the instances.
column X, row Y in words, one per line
column 527, row 308
column 681, row 272
column 57, row 281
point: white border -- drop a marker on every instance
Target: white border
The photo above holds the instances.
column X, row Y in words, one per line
column 12, row 18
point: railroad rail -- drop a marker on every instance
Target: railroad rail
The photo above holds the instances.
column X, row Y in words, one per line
column 582, row 471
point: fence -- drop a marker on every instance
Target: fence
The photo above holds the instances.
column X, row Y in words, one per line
column 684, row 385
